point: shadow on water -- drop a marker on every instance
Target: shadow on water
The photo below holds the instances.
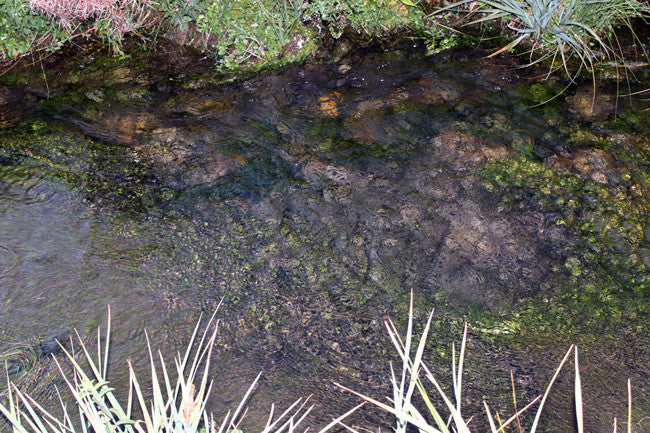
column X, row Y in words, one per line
column 312, row 201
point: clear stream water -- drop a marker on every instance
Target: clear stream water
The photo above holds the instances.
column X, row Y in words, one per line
column 312, row 201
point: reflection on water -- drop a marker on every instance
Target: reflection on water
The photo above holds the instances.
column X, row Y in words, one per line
column 312, row 201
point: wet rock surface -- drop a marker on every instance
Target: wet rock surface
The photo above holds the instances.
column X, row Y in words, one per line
column 15, row 104
column 593, row 164
column 313, row 200
column 589, row 103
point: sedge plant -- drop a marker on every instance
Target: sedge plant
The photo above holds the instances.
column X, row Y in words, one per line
column 415, row 378
column 178, row 407
column 560, row 29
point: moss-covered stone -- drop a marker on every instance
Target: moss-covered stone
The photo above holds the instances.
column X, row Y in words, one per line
column 607, row 283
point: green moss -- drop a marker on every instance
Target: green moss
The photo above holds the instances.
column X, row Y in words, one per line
column 633, row 120
column 538, row 93
column 55, row 153
column 606, row 283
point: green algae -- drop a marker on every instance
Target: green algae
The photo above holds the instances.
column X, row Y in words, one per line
column 607, row 285
column 105, row 173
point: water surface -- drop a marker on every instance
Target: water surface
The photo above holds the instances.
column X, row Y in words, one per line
column 312, row 201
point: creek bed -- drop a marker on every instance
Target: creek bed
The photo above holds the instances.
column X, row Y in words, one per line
column 311, row 202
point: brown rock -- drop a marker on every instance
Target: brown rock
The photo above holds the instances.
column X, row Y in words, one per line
column 591, row 104
column 595, row 164
column 465, row 152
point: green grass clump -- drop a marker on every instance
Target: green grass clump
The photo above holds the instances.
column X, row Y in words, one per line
column 560, row 29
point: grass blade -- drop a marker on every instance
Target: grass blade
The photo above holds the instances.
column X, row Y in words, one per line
column 629, row 406
column 548, row 390
column 578, row 394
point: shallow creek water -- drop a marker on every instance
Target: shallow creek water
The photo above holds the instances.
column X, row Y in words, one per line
column 312, row 201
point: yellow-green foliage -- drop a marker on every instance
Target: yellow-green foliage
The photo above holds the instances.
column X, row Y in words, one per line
column 21, row 30
column 374, row 17
column 250, row 30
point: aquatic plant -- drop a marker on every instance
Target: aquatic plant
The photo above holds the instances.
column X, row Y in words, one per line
column 178, row 407
column 449, row 418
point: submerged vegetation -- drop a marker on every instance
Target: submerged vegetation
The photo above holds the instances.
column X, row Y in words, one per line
column 182, row 407
column 606, row 276
column 253, row 33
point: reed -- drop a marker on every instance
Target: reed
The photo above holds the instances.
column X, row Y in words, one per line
column 180, row 406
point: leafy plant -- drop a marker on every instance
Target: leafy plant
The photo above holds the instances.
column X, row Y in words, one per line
column 181, row 14
column 22, row 31
column 283, row 17
column 372, row 17
column 250, row 30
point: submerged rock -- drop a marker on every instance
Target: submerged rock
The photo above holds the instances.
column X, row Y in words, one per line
column 15, row 105
column 589, row 104
column 594, row 164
